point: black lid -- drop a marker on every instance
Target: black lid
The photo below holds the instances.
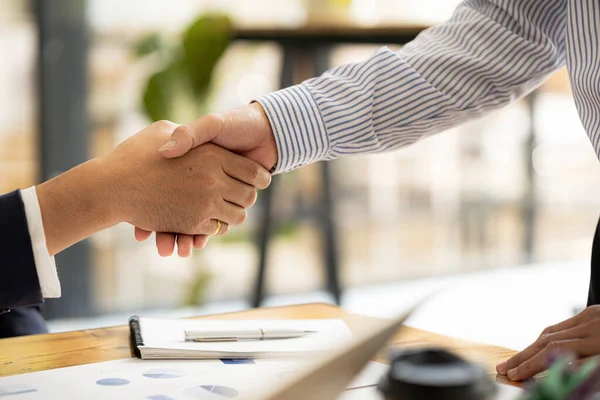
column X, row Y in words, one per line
column 435, row 374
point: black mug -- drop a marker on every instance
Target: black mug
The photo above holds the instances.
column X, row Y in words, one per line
column 435, row 374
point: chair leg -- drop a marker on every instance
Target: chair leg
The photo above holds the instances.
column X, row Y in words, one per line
column 330, row 234
column 264, row 235
column 266, row 226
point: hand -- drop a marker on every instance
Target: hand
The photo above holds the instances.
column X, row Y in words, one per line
column 210, row 179
column 245, row 130
column 134, row 184
column 579, row 335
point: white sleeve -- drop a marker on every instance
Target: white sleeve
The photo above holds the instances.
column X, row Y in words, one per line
column 45, row 265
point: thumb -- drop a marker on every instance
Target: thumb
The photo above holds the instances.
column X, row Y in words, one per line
column 186, row 137
column 141, row 235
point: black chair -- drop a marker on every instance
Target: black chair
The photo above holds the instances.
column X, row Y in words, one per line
column 325, row 210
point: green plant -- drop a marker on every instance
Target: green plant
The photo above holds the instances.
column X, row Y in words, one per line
column 567, row 381
column 179, row 88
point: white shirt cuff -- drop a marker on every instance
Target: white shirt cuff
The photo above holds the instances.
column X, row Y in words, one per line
column 45, row 265
column 298, row 127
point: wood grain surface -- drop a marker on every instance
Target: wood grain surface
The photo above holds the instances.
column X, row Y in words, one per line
column 42, row 352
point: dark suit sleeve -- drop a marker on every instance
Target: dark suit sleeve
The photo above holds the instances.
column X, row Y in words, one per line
column 19, row 284
column 594, row 293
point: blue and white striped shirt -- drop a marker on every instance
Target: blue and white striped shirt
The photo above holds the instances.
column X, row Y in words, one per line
column 488, row 54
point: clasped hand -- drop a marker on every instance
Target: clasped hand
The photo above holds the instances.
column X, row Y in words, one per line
column 218, row 185
column 185, row 195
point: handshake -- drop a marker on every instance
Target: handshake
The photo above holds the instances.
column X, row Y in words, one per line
column 184, row 182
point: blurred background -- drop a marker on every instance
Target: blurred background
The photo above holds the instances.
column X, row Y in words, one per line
column 513, row 193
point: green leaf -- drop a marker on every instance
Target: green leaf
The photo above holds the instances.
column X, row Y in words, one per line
column 581, row 374
column 158, row 93
column 178, row 91
column 149, row 44
column 204, row 42
column 197, row 288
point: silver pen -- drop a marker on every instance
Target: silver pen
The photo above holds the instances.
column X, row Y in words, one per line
column 244, row 334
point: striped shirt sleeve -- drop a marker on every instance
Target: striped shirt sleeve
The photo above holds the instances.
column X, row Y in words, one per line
column 488, row 54
column 583, row 62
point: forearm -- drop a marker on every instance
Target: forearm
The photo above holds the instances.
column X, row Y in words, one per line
column 76, row 204
column 486, row 56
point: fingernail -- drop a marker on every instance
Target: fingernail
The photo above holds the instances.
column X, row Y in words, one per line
column 169, row 145
column 501, row 368
column 267, row 176
column 512, row 374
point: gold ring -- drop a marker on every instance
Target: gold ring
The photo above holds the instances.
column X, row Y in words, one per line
column 217, row 229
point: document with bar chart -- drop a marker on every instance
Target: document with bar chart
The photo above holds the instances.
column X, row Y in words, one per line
column 162, row 379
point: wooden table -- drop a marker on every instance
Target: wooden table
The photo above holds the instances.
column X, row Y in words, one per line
column 42, row 352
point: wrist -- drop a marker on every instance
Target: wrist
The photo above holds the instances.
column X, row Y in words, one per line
column 76, row 204
column 106, row 186
column 298, row 127
column 265, row 130
column 263, row 124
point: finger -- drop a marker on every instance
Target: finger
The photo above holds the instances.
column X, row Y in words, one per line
column 222, row 230
column 165, row 243
column 247, row 171
column 200, row 241
column 239, row 193
column 141, row 235
column 539, row 362
column 184, row 245
column 564, row 325
column 231, row 214
column 520, row 357
column 210, row 228
column 186, row 137
column 539, row 345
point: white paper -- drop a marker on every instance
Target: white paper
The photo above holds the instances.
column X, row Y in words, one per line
column 160, row 380
column 365, row 393
column 169, row 335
